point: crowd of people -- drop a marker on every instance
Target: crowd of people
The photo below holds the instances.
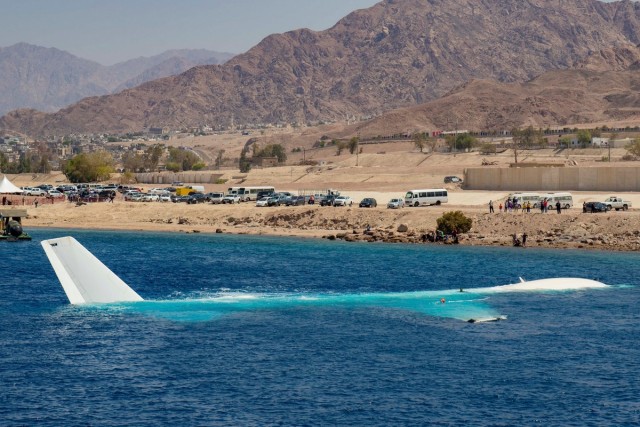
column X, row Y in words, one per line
column 515, row 205
column 512, row 204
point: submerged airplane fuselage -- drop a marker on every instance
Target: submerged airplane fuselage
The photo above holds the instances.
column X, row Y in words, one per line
column 86, row 280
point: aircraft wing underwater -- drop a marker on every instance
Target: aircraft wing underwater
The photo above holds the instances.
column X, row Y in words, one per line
column 88, row 281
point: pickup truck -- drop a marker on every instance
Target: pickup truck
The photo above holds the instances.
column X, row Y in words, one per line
column 231, row 199
column 617, row 203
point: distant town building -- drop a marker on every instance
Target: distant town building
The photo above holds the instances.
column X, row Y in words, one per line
column 265, row 162
column 159, row 131
column 599, row 142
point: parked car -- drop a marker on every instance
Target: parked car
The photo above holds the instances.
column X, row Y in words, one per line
column 592, row 207
column 179, row 199
column 395, row 204
column 67, row 188
column 343, row 201
column 231, row 198
column 265, row 193
column 134, row 197
column 129, row 195
column 55, row 194
column 164, row 198
column 273, row 201
column 452, row 179
column 327, row 200
column 617, row 203
column 106, row 194
column 263, row 201
column 158, row 191
column 215, row 198
column 368, row 202
column 283, row 197
column 297, row 201
column 196, row 198
column 150, row 197
column 29, row 191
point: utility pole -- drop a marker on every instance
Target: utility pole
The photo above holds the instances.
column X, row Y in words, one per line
column 455, row 139
column 358, row 149
column 612, row 137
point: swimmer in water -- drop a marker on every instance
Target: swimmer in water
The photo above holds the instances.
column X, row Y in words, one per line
column 442, row 300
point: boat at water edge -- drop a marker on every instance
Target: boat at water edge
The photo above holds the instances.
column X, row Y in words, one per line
column 11, row 225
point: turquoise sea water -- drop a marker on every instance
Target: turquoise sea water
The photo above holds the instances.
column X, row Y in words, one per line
column 240, row 330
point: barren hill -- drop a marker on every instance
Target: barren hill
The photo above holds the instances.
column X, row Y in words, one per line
column 555, row 99
column 48, row 78
column 395, row 54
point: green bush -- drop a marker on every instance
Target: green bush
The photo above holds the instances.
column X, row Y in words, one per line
column 488, row 148
column 172, row 166
column 454, row 221
column 89, row 167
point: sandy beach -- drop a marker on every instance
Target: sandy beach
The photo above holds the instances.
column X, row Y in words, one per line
column 372, row 174
column 571, row 229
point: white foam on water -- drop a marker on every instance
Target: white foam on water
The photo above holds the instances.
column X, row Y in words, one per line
column 554, row 284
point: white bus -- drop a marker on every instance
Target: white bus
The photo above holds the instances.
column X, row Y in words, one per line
column 521, row 199
column 233, row 190
column 565, row 199
column 250, row 193
column 430, row 196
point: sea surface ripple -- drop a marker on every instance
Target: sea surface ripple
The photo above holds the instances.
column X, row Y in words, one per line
column 324, row 354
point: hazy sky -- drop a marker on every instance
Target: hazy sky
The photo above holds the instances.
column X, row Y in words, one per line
column 110, row 31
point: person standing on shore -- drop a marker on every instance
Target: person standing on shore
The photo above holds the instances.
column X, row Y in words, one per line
column 524, row 239
column 558, row 207
column 500, row 208
column 491, row 206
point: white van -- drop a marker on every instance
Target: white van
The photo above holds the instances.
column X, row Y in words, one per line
column 430, row 196
column 565, row 199
column 251, row 193
column 520, row 199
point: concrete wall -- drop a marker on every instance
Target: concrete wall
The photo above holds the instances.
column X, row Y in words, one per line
column 553, row 179
column 186, row 177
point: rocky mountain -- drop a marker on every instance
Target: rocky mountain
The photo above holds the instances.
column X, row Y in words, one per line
column 554, row 99
column 169, row 63
column 49, row 79
column 395, row 54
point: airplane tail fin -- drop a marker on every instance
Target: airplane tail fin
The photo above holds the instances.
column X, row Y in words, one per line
column 83, row 277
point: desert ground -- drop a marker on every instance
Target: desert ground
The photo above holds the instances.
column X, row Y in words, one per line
column 382, row 173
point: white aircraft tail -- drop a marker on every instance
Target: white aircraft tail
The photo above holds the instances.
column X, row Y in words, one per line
column 83, row 277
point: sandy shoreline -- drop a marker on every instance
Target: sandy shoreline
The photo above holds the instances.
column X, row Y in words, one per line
column 618, row 231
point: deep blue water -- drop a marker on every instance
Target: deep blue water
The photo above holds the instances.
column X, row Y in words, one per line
column 240, row 330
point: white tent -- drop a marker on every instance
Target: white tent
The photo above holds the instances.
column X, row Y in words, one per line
column 7, row 187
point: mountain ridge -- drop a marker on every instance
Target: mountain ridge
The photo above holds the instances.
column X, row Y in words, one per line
column 49, row 78
column 396, row 54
